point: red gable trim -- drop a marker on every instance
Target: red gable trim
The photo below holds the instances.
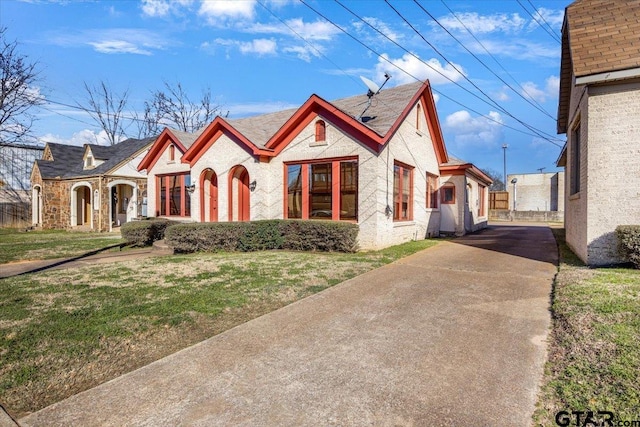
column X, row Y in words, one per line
column 464, row 169
column 313, row 107
column 212, row 133
column 435, row 131
column 157, row 148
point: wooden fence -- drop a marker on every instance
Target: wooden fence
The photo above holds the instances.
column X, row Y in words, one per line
column 15, row 214
column 498, row 200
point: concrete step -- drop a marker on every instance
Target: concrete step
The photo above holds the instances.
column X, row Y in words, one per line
column 160, row 246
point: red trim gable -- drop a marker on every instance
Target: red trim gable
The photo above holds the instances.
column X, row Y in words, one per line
column 215, row 130
column 463, row 169
column 157, row 148
column 312, row 108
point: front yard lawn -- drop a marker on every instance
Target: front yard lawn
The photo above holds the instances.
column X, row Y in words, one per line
column 35, row 245
column 594, row 346
column 65, row 331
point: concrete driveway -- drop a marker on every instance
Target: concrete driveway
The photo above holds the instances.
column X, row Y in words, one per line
column 451, row 336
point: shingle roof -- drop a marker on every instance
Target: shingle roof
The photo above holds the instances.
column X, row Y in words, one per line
column 604, row 35
column 186, row 138
column 385, row 109
column 598, row 36
column 67, row 159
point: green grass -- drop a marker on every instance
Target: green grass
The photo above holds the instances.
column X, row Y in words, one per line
column 594, row 347
column 18, row 245
column 68, row 330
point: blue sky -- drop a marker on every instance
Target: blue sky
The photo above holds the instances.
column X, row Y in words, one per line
column 493, row 64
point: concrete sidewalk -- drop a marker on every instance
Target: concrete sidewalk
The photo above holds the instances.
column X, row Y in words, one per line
column 453, row 335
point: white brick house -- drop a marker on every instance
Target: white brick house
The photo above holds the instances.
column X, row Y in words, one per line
column 325, row 160
column 599, row 110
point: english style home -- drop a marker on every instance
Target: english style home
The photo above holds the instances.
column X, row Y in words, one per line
column 380, row 162
column 92, row 188
column 599, row 110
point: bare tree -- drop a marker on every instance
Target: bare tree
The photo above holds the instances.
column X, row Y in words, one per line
column 496, row 177
column 107, row 108
column 148, row 123
column 172, row 107
column 18, row 92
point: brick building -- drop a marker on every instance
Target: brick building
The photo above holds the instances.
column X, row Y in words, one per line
column 599, row 110
column 380, row 168
column 91, row 188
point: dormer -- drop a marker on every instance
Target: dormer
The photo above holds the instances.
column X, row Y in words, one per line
column 89, row 159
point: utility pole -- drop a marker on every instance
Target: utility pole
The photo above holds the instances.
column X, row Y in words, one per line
column 504, row 150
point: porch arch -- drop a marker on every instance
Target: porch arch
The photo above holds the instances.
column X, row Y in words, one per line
column 123, row 204
column 81, row 204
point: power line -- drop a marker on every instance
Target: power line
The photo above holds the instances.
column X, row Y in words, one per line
column 495, row 103
column 528, row 100
column 544, row 20
column 417, row 79
column 490, row 54
column 553, row 36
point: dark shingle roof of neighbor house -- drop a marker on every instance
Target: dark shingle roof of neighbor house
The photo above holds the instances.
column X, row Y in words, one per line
column 598, row 36
column 385, row 109
column 68, row 159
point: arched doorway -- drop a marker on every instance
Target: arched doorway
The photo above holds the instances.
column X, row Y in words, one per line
column 208, row 196
column 36, row 205
column 81, row 205
column 239, row 194
column 123, row 202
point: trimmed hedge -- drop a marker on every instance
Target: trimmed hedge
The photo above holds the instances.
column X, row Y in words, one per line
column 144, row 233
column 327, row 236
column 629, row 243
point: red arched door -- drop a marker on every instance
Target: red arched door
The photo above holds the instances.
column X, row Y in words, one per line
column 208, row 196
column 239, row 194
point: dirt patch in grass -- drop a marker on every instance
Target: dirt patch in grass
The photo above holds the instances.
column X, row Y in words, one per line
column 594, row 345
column 64, row 331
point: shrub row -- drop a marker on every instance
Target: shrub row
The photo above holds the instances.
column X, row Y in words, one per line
column 629, row 243
column 144, row 233
column 263, row 235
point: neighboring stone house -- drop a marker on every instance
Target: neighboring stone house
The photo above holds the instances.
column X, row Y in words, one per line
column 540, row 192
column 599, row 110
column 379, row 168
column 92, row 187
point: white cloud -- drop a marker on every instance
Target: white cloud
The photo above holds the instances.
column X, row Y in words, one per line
column 118, row 46
column 468, row 130
column 155, row 8
column 85, row 136
column 259, row 46
column 430, row 69
column 383, row 27
column 305, row 52
column 482, row 24
column 318, row 30
column 115, row 40
column 547, row 16
column 550, row 90
column 219, row 12
column 515, row 48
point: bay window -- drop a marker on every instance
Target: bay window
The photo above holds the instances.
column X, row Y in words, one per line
column 322, row 189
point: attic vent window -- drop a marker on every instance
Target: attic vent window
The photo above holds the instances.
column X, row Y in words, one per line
column 88, row 163
column 418, row 114
column 172, row 152
column 321, row 131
